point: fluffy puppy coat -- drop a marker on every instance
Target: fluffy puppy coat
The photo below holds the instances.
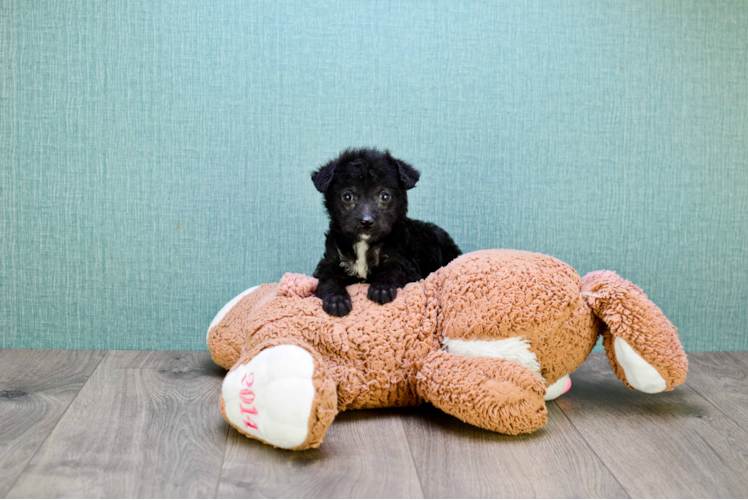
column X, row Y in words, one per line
column 371, row 239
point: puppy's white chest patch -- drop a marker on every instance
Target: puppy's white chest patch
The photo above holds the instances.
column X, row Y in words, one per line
column 359, row 267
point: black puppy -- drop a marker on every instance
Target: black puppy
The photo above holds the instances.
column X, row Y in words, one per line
column 371, row 238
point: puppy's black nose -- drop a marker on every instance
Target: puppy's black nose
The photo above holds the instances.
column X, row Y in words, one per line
column 367, row 221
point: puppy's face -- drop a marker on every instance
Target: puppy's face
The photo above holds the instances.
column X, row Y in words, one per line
column 365, row 192
column 364, row 202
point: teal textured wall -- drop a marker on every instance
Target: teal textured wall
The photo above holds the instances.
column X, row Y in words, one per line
column 155, row 155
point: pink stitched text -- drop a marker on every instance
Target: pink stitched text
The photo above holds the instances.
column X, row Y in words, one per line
column 248, row 397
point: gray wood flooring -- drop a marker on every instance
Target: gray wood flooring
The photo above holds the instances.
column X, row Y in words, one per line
column 98, row 424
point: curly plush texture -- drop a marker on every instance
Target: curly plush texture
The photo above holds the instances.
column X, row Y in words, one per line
column 226, row 339
column 394, row 354
column 628, row 314
column 372, row 370
column 528, row 295
column 507, row 396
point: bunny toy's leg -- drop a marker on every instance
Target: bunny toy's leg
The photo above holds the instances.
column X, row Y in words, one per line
column 514, row 349
column 280, row 393
column 642, row 345
column 493, row 393
column 558, row 388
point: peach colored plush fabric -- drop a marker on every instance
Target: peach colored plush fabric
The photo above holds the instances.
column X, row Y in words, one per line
column 627, row 313
column 491, row 393
column 226, row 339
column 391, row 355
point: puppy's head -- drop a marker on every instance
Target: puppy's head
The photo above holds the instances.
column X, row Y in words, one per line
column 365, row 192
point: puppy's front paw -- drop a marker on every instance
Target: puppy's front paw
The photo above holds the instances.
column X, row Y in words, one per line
column 381, row 293
column 337, row 305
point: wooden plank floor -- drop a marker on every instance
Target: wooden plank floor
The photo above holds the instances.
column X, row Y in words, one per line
column 126, row 424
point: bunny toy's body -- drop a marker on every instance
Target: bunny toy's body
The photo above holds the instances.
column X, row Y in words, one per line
column 487, row 338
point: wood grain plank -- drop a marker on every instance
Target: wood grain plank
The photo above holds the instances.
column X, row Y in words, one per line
column 722, row 379
column 457, row 460
column 674, row 444
column 36, row 387
column 364, row 455
column 145, row 425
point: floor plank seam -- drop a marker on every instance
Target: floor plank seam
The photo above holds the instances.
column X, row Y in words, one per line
column 592, row 449
column 223, row 461
column 52, row 430
column 714, row 405
column 412, row 458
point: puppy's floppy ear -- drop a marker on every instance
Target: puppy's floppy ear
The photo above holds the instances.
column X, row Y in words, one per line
column 408, row 175
column 323, row 177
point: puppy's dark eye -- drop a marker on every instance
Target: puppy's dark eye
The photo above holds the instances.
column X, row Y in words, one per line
column 384, row 197
column 347, row 197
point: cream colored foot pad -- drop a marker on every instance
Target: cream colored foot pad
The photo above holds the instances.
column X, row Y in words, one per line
column 271, row 396
column 640, row 375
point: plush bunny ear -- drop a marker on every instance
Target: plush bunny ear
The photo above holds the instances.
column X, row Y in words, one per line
column 408, row 175
column 323, row 177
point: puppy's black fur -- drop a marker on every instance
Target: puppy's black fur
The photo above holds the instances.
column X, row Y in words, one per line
column 371, row 238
